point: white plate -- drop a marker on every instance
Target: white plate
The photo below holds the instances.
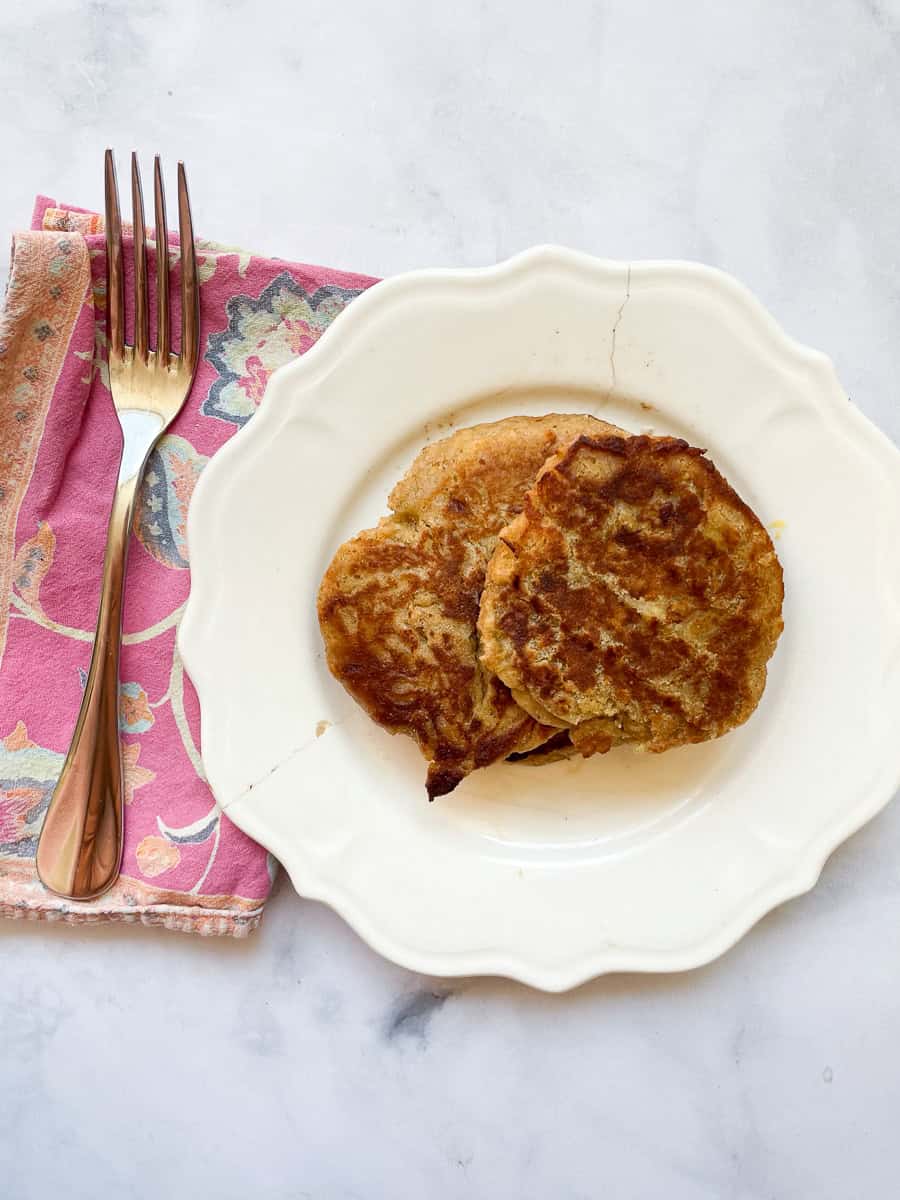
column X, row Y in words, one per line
column 555, row 874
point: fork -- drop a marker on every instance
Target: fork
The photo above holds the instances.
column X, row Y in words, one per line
column 80, row 847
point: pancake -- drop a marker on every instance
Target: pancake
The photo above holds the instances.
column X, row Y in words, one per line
column 636, row 598
column 398, row 604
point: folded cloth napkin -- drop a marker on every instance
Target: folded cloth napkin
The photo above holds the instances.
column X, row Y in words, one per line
column 185, row 865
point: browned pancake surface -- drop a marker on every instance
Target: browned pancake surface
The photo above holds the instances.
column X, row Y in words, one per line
column 398, row 604
column 635, row 599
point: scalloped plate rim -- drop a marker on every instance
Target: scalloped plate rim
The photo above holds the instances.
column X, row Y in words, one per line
column 302, row 374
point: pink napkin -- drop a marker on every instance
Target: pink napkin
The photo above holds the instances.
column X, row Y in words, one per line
column 185, row 865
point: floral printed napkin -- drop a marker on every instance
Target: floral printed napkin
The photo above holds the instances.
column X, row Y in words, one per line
column 185, row 865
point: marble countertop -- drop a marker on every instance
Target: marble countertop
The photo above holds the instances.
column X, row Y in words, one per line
column 761, row 138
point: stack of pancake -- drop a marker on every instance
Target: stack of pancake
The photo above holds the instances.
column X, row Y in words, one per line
column 550, row 586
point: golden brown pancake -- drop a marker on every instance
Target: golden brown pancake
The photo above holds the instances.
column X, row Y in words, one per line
column 636, row 598
column 398, row 604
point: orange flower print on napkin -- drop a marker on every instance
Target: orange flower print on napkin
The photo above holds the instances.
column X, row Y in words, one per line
column 18, row 739
column 34, row 560
column 135, row 776
column 18, row 803
column 155, row 856
column 28, row 775
column 301, row 335
column 135, row 713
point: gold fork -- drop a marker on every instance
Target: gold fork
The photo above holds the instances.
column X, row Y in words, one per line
column 80, row 847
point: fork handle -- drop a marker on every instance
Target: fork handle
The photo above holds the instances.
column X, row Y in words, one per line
column 80, row 846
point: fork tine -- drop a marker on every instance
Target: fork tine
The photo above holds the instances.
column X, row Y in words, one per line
column 190, row 299
column 115, row 294
column 163, row 342
column 141, row 294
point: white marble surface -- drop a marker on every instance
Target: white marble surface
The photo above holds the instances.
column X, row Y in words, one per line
column 761, row 137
